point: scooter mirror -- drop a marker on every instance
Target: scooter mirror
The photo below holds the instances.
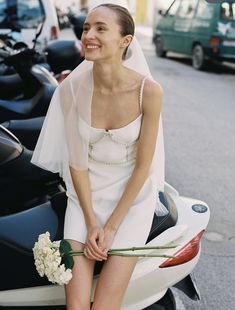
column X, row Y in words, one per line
column 39, row 29
column 38, row 32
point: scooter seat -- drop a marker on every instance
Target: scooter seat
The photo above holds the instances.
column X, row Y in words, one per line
column 162, row 223
column 27, row 108
column 18, row 233
column 21, row 230
column 26, row 130
column 23, row 106
column 10, row 86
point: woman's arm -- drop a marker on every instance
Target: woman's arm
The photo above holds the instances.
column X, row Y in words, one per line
column 80, row 178
column 81, row 184
column 146, row 146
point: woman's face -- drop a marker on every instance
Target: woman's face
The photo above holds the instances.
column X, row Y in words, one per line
column 101, row 36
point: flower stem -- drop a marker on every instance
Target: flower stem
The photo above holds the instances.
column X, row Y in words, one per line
column 143, row 248
column 126, row 254
column 113, row 251
column 79, row 253
column 141, row 255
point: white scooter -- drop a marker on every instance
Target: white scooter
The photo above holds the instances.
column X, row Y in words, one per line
column 150, row 284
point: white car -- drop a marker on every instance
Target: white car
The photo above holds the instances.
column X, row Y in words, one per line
column 23, row 17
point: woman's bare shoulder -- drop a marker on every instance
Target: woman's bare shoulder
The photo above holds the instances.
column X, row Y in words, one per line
column 152, row 96
column 152, row 88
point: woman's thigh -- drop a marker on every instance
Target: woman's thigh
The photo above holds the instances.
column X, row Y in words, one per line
column 113, row 281
column 78, row 290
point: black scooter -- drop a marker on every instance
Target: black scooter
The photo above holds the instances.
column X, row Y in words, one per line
column 23, row 185
column 58, row 56
column 38, row 83
column 26, row 130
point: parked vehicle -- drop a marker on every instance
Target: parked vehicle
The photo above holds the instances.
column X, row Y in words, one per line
column 58, row 56
column 151, row 282
column 23, row 185
column 26, row 130
column 11, row 86
column 24, row 16
column 39, row 86
column 204, row 31
column 64, row 55
column 27, row 75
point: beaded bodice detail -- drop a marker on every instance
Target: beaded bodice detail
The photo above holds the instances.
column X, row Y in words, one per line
column 116, row 146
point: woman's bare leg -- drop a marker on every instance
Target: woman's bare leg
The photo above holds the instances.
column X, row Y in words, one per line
column 78, row 290
column 112, row 283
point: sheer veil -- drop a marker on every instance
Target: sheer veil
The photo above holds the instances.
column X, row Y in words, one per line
column 64, row 138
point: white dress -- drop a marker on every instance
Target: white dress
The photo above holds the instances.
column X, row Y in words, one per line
column 112, row 157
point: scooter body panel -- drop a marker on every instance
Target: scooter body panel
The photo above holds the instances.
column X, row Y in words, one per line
column 149, row 282
column 27, row 108
column 26, row 130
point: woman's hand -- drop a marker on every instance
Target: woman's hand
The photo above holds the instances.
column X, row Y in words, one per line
column 95, row 236
column 106, row 242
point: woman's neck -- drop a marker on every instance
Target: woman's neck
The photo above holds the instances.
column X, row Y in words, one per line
column 108, row 78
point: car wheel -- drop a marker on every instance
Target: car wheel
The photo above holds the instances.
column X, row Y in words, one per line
column 198, row 57
column 167, row 302
column 159, row 47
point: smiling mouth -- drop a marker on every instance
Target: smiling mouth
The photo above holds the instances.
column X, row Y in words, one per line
column 92, row 47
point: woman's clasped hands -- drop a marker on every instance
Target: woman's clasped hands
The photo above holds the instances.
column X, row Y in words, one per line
column 98, row 243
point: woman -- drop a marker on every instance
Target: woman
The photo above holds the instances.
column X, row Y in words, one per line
column 106, row 119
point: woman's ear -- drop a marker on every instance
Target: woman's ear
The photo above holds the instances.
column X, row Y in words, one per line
column 126, row 41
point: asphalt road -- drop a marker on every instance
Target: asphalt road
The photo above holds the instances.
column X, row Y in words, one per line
column 199, row 130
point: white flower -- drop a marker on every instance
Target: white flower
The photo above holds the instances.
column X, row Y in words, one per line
column 60, row 275
column 48, row 260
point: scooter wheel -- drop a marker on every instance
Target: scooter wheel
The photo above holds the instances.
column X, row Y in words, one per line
column 167, row 302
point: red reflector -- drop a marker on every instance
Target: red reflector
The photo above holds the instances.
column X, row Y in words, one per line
column 214, row 41
column 54, row 33
column 188, row 252
column 63, row 75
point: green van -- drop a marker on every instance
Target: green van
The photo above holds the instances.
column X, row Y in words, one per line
column 205, row 31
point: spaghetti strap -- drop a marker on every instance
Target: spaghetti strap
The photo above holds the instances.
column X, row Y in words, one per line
column 141, row 92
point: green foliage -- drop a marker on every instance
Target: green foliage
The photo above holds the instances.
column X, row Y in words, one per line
column 65, row 249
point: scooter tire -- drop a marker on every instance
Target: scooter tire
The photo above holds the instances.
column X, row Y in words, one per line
column 167, row 302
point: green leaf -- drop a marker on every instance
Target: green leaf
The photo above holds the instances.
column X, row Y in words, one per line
column 65, row 247
column 68, row 261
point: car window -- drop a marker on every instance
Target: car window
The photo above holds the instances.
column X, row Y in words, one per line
column 3, row 7
column 187, row 8
column 30, row 13
column 227, row 11
column 204, row 10
column 21, row 13
column 173, row 8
